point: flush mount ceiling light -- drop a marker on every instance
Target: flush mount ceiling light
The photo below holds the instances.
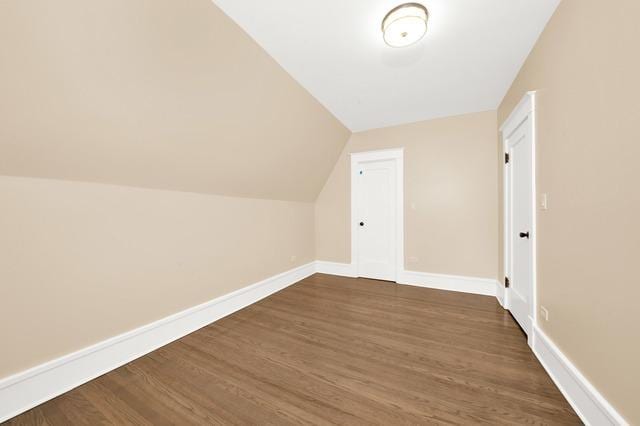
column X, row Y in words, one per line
column 405, row 25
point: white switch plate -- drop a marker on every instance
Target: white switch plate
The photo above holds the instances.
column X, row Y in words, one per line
column 544, row 201
column 544, row 312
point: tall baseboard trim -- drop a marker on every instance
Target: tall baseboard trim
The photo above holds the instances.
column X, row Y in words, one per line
column 587, row 402
column 483, row 286
column 334, row 268
column 501, row 294
column 25, row 390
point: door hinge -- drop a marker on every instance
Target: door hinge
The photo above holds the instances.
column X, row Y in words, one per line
column 507, row 283
column 506, row 158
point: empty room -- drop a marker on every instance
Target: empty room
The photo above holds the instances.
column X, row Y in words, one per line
column 360, row 212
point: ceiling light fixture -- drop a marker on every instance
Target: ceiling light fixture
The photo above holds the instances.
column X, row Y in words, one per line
column 405, row 25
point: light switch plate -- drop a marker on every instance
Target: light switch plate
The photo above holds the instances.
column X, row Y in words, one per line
column 544, row 313
column 544, row 201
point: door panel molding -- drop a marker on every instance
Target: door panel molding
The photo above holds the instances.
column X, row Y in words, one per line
column 524, row 114
column 396, row 155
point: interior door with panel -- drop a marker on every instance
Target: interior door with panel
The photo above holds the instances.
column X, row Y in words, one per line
column 520, row 217
column 376, row 214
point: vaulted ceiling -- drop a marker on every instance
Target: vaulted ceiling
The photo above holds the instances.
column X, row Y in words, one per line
column 175, row 95
column 165, row 94
column 468, row 59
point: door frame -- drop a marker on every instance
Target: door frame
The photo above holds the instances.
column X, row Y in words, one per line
column 397, row 155
column 525, row 110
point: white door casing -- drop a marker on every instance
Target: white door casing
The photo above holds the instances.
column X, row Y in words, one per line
column 377, row 214
column 518, row 136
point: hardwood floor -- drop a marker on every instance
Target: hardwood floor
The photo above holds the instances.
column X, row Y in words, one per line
column 331, row 350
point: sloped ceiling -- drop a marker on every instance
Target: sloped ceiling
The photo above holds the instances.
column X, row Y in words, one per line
column 469, row 57
column 164, row 94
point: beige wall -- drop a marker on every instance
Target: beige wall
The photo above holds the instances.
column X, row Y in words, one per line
column 165, row 94
column 82, row 262
column 586, row 67
column 451, row 205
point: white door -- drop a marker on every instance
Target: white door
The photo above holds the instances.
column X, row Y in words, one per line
column 520, row 210
column 375, row 197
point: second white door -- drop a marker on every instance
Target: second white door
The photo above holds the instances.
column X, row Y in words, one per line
column 519, row 175
column 375, row 192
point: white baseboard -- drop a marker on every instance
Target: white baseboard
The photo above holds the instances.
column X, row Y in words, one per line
column 27, row 389
column 334, row 268
column 483, row 286
column 500, row 294
column 587, row 402
column 32, row 387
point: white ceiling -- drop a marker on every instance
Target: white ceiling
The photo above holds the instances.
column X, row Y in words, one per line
column 334, row 48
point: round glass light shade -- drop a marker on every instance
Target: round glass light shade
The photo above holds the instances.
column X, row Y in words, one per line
column 405, row 24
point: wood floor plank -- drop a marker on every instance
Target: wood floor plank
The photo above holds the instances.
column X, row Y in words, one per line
column 411, row 356
column 331, row 350
column 433, row 379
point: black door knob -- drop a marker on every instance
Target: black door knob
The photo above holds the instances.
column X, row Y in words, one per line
column 524, row 235
column 361, row 223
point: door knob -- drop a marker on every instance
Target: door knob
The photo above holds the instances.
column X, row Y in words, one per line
column 524, row 235
column 361, row 223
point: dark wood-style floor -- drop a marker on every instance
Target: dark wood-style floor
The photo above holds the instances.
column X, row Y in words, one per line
column 331, row 350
